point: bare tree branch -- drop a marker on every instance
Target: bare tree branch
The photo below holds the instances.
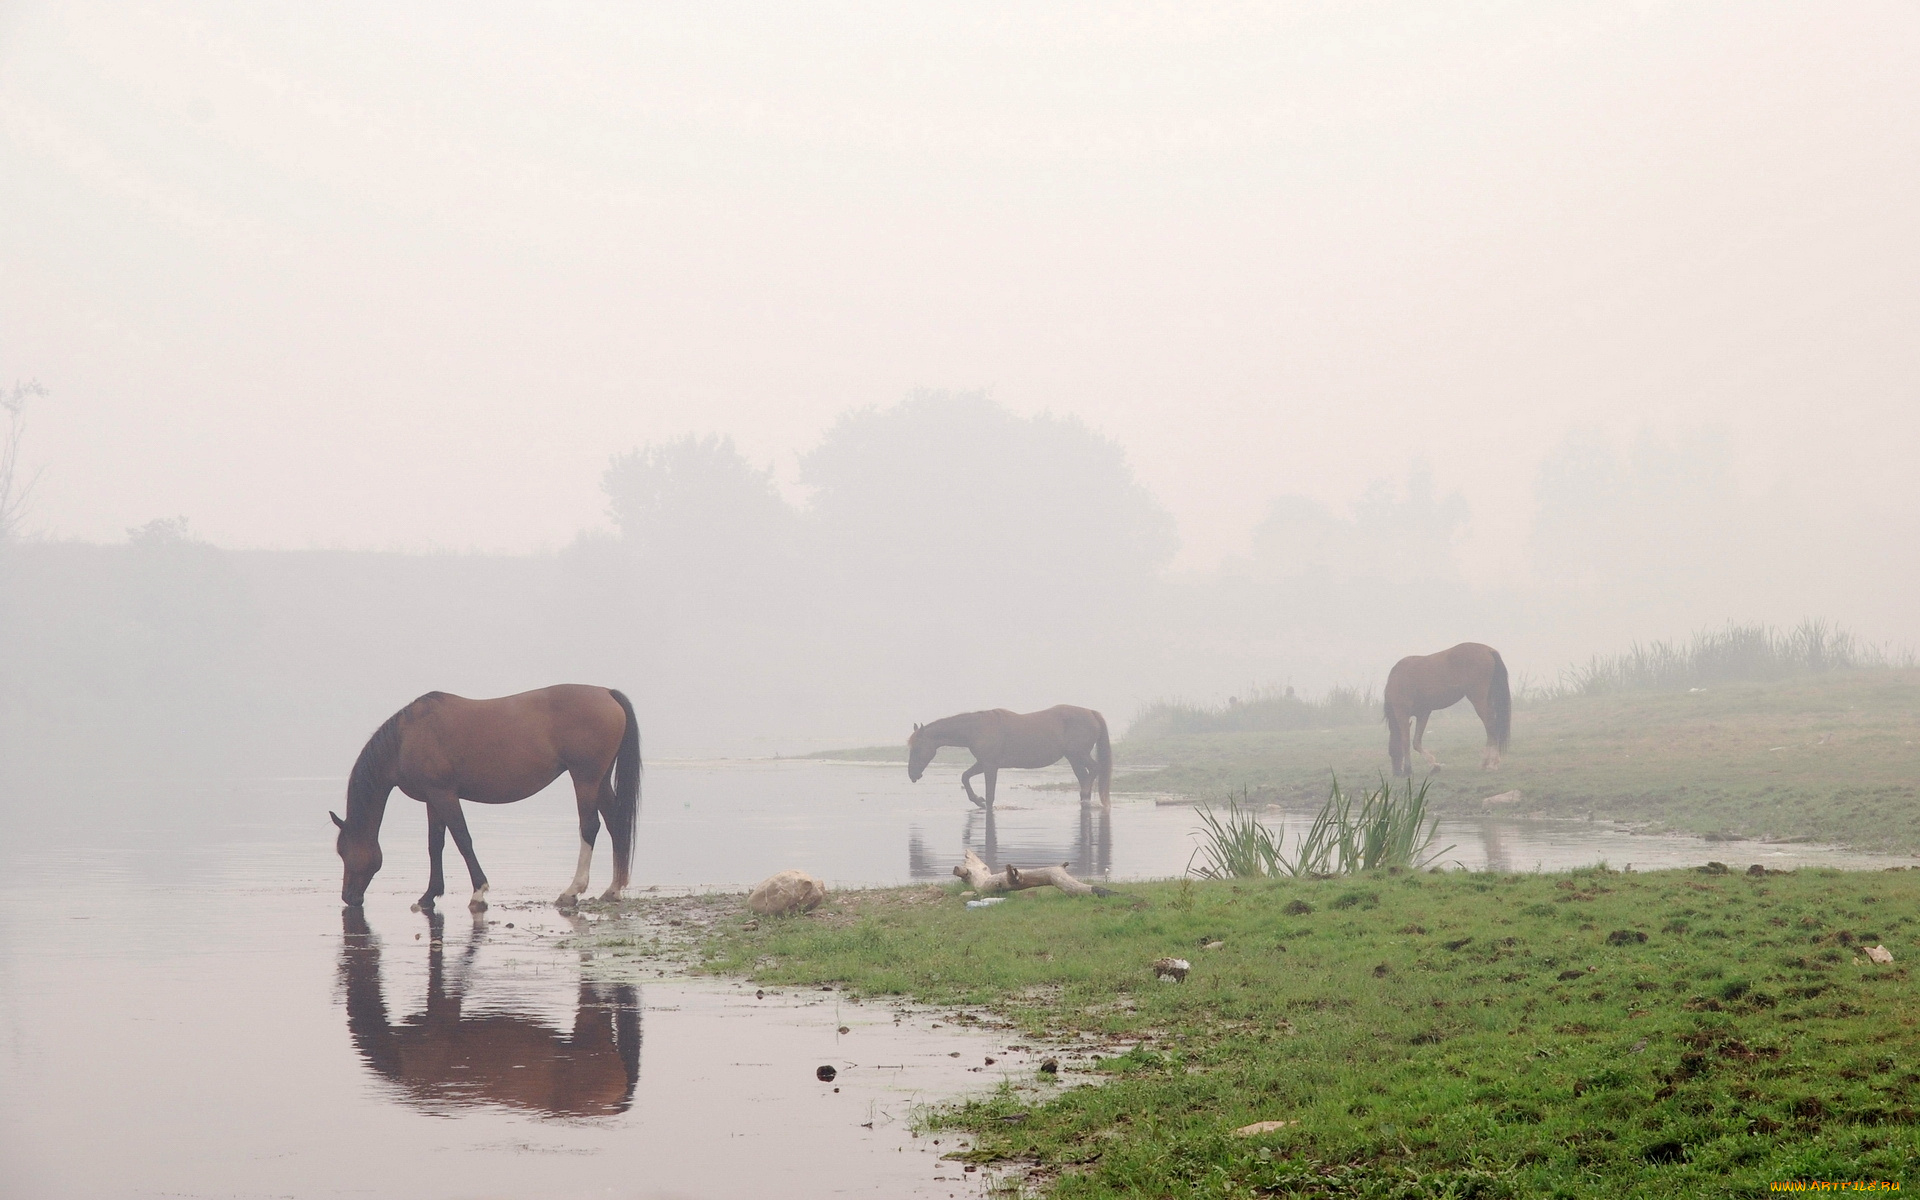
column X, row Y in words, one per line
column 14, row 491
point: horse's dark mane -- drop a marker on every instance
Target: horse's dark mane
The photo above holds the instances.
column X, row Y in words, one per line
column 944, row 723
column 373, row 768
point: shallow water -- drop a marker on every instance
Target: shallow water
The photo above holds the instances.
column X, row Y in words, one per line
column 186, row 1011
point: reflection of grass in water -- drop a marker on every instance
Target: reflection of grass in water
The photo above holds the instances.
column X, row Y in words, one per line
column 1433, row 1035
column 1392, row 829
column 1832, row 757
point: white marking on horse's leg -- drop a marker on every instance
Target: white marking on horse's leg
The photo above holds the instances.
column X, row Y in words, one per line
column 579, row 883
column 1431, row 760
column 479, row 901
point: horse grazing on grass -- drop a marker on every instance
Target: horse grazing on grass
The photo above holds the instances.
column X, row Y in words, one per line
column 1420, row 684
column 443, row 749
column 999, row 738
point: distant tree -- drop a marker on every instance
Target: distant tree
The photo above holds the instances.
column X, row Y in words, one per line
column 14, row 490
column 697, row 508
column 1661, row 513
column 1395, row 533
column 187, row 617
column 950, row 492
column 162, row 531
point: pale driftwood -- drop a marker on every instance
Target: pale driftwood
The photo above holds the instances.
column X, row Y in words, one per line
column 1014, row 879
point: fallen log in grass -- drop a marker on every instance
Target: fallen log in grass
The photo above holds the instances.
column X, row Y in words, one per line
column 986, row 881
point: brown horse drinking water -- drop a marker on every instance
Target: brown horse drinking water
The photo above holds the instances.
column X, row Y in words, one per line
column 1420, row 684
column 999, row 738
column 443, row 749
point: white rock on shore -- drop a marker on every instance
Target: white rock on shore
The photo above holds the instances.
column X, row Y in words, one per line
column 786, row 893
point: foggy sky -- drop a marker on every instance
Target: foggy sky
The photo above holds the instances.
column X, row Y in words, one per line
column 359, row 276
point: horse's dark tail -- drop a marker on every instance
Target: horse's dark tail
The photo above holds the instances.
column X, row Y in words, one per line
column 625, row 813
column 1500, row 700
column 1104, row 748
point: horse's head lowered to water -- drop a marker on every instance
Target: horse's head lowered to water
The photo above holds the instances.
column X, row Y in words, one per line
column 361, row 857
column 920, row 752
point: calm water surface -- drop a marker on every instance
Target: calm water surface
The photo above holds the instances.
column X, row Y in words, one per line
column 186, row 1011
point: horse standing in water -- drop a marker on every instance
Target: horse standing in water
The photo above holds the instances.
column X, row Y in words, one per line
column 443, row 749
column 999, row 738
column 1420, row 684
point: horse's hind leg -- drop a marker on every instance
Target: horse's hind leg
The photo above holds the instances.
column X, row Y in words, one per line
column 619, row 827
column 1085, row 772
column 1490, row 757
column 587, row 800
column 1420, row 731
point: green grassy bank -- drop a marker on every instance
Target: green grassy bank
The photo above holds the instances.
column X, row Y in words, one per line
column 1676, row 1033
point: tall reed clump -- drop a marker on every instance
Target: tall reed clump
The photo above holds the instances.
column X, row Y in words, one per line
column 1733, row 654
column 1237, row 845
column 1268, row 710
column 1391, row 829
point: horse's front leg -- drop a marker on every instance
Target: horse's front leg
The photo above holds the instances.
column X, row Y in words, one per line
column 1400, row 742
column 993, row 777
column 966, row 781
column 463, row 841
column 436, row 842
column 1420, row 731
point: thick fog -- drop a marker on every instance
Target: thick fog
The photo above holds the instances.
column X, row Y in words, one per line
column 811, row 372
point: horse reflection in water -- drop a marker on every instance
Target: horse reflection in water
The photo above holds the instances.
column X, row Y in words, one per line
column 445, row 1057
column 1089, row 856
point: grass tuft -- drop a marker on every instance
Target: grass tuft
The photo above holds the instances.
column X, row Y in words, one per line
column 1392, row 829
column 1235, row 845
